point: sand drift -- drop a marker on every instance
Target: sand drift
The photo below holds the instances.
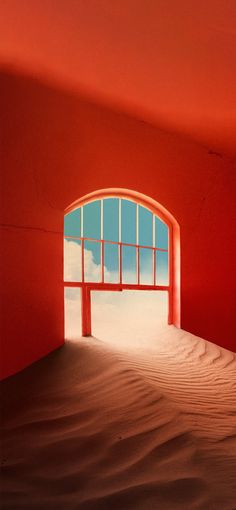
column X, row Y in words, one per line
column 125, row 422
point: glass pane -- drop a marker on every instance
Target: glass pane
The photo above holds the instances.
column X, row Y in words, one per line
column 146, row 266
column 161, row 234
column 111, row 219
column 92, row 261
column 92, row 220
column 129, row 264
column 72, row 223
column 111, row 262
column 162, row 273
column 145, row 227
column 72, row 300
column 128, row 222
column 72, row 260
column 119, row 315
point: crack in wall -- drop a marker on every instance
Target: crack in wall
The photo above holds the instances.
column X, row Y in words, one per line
column 29, row 227
column 215, row 153
column 39, row 192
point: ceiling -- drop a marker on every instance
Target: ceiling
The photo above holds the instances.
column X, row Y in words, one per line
column 170, row 62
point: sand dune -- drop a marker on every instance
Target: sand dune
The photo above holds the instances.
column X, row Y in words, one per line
column 123, row 424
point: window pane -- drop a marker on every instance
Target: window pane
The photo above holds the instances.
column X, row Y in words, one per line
column 111, row 219
column 72, row 223
column 129, row 272
column 72, row 260
column 128, row 222
column 146, row 266
column 92, row 220
column 145, row 227
column 72, row 300
column 162, row 276
column 92, row 261
column 120, row 315
column 161, row 234
column 111, row 262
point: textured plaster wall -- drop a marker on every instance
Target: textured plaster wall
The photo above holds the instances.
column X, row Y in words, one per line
column 56, row 148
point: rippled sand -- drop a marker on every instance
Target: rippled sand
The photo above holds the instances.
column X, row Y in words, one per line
column 142, row 425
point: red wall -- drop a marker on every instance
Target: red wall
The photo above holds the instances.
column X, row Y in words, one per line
column 57, row 148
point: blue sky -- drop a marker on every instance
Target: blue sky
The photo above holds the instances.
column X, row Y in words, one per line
column 92, row 229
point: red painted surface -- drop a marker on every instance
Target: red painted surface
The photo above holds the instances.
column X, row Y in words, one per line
column 168, row 61
column 57, row 148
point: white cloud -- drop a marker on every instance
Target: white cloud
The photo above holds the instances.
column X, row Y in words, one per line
column 73, row 264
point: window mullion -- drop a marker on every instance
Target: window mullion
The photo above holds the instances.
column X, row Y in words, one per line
column 119, row 219
column 119, row 241
column 102, row 244
column 137, row 247
column 154, row 251
column 82, row 221
column 82, row 242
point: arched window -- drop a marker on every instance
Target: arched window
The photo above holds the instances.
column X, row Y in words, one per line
column 116, row 241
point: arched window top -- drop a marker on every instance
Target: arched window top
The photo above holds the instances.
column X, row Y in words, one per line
column 117, row 220
column 139, row 198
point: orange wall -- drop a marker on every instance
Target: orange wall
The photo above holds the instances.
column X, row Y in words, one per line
column 56, row 148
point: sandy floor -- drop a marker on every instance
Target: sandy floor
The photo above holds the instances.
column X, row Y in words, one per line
column 122, row 424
